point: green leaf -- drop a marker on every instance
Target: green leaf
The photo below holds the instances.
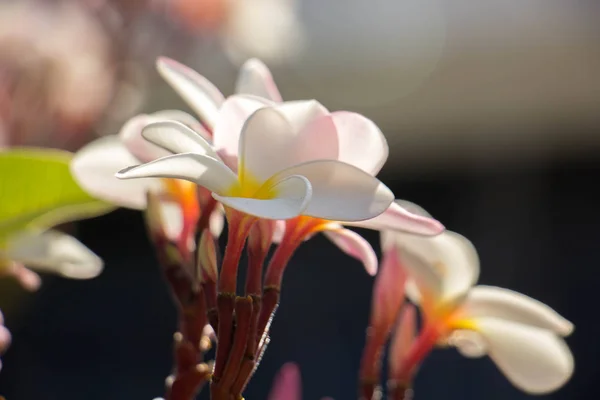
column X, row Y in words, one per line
column 37, row 191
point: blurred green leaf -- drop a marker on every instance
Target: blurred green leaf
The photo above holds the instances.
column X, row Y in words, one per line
column 38, row 191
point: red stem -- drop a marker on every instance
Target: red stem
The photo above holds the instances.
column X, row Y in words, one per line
column 371, row 363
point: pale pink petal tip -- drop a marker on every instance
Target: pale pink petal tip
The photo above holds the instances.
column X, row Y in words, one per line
column 287, row 384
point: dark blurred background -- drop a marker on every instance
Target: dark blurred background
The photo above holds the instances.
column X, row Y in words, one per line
column 491, row 112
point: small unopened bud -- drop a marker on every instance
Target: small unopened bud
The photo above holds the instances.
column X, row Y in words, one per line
column 154, row 219
column 207, row 257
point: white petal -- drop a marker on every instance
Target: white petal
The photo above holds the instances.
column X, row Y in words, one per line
column 444, row 266
column 184, row 118
column 56, row 252
column 217, row 222
column 172, row 219
column 301, row 112
column 269, row 143
column 203, row 170
column 342, row 192
column 256, row 79
column 197, row 91
column 278, row 231
column 177, row 138
column 468, row 343
column 487, row 301
column 535, row 360
column 232, row 115
column 354, row 245
column 131, row 136
column 294, row 193
column 396, row 218
column 94, row 168
column 361, row 142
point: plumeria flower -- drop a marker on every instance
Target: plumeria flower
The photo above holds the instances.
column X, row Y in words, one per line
column 278, row 181
column 343, row 136
column 46, row 251
column 523, row 336
column 95, row 165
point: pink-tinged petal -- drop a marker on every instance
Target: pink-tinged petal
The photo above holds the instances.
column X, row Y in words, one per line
column 255, row 78
column 361, row 142
column 406, row 329
column 94, row 167
column 131, row 136
column 287, row 384
column 388, row 293
column 269, row 144
column 293, row 195
column 197, row 91
column 488, row 301
column 355, row 246
column 203, row 170
column 342, row 192
column 535, row 360
column 176, row 137
column 28, row 279
column 184, row 118
column 232, row 115
column 396, row 218
column 301, row 112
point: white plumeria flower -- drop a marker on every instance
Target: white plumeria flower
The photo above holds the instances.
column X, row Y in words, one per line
column 276, row 176
column 95, row 165
column 523, row 336
column 341, row 135
column 47, row 251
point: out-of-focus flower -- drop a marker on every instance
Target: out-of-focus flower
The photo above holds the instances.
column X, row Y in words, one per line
column 287, row 384
column 276, row 181
column 5, row 337
column 95, row 165
column 523, row 336
column 30, row 205
column 268, row 29
column 343, row 136
column 56, row 77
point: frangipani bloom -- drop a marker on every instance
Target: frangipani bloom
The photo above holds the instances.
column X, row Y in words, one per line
column 341, row 135
column 47, row 251
column 95, row 165
column 521, row 335
column 278, row 177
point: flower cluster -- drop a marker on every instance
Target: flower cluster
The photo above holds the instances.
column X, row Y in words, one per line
column 281, row 172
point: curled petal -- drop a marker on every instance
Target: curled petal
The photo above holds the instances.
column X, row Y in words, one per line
column 535, row 360
column 255, row 78
column 197, row 91
column 94, row 168
column 444, row 266
column 184, row 118
column 396, row 218
column 488, row 301
column 287, row 385
column 269, row 143
column 55, row 252
column 203, row 170
column 342, row 192
column 232, row 115
column 177, row 138
column 468, row 343
column 354, row 245
column 301, row 112
column 293, row 195
column 361, row 142
column 131, row 136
